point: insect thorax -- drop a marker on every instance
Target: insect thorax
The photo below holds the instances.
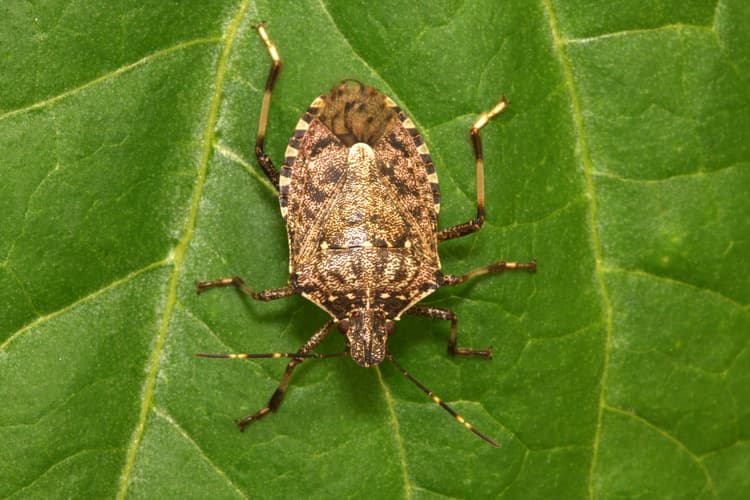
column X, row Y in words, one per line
column 360, row 198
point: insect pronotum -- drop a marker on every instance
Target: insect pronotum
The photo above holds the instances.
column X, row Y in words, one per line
column 359, row 193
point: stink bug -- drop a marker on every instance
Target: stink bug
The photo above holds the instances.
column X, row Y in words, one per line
column 360, row 197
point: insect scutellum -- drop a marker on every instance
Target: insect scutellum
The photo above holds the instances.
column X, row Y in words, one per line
column 360, row 197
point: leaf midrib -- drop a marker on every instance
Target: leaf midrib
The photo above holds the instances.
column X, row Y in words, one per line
column 603, row 292
column 181, row 249
column 599, row 268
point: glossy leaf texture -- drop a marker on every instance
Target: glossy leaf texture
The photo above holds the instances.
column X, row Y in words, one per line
column 621, row 368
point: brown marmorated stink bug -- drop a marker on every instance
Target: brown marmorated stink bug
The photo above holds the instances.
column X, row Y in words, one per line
column 359, row 194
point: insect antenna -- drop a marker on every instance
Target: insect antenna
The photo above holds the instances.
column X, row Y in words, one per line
column 439, row 401
column 272, row 355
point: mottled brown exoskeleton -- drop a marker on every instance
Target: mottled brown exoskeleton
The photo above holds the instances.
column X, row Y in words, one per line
column 360, row 197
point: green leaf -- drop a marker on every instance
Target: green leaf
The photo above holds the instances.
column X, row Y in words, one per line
column 621, row 368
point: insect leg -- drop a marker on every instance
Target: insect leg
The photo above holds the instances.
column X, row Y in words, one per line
column 264, row 295
column 495, row 267
column 439, row 401
column 448, row 315
column 475, row 224
column 278, row 395
column 263, row 160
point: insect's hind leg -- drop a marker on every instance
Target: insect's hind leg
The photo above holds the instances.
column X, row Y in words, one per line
column 278, row 395
column 448, row 315
column 475, row 224
column 239, row 284
column 263, row 160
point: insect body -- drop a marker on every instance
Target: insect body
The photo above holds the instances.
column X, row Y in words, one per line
column 360, row 202
column 360, row 197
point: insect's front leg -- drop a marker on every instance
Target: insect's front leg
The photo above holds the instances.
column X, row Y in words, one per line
column 238, row 283
column 475, row 224
column 263, row 160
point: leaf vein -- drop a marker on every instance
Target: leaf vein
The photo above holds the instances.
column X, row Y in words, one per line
column 61, row 462
column 257, row 368
column 237, row 158
column 171, row 421
column 697, row 173
column 108, row 76
column 716, row 29
column 41, row 319
column 21, row 287
column 517, row 474
column 645, row 274
column 672, row 439
column 558, row 47
column 617, row 34
column 228, row 39
column 397, row 434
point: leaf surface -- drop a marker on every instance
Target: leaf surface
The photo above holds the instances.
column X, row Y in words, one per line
column 622, row 166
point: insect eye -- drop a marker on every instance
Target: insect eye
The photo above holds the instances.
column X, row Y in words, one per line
column 343, row 325
column 390, row 327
